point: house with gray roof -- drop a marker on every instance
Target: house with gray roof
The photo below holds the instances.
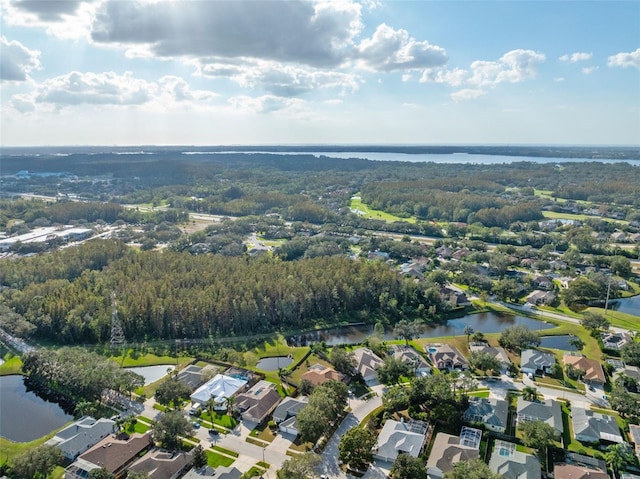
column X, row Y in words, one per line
column 366, row 364
column 81, row 435
column 591, row 426
column 285, row 414
column 510, row 463
column 444, row 356
column 533, row 361
column 491, row 412
column 400, row 438
column 499, row 353
column 548, row 411
column 220, row 472
column 634, row 432
column 409, row 355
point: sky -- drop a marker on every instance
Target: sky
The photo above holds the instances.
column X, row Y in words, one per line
column 217, row 72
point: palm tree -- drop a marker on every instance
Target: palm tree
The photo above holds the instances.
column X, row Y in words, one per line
column 529, row 393
column 618, row 456
column 229, row 401
column 478, row 337
column 576, row 342
column 468, row 330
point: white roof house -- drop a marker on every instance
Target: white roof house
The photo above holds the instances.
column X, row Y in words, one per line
column 400, row 437
column 532, row 361
column 219, row 388
column 81, row 435
column 590, row 426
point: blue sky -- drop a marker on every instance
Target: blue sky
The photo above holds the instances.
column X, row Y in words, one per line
column 133, row 72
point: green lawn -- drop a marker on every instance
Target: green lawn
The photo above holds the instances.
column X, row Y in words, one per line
column 228, row 452
column 134, row 360
column 215, row 460
column 570, row 216
column 12, row 365
column 366, row 212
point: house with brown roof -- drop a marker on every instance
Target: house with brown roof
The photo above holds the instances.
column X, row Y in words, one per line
column 320, row 374
column 444, row 356
column 447, row 450
column 161, row 464
column 592, row 369
column 577, row 471
column 258, row 402
column 112, row 453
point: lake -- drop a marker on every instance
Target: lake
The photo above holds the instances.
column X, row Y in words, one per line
column 460, row 158
column 627, row 305
column 151, row 374
column 490, row 322
column 25, row 415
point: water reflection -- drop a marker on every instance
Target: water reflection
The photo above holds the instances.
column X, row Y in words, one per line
column 27, row 415
column 490, row 322
column 627, row 305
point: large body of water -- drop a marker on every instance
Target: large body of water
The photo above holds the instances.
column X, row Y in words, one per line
column 490, row 322
column 627, row 305
column 460, row 158
column 25, row 416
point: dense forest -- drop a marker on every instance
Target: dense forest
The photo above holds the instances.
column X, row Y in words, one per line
column 162, row 295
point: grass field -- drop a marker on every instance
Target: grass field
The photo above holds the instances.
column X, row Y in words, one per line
column 553, row 215
column 215, row 460
column 366, row 212
column 12, row 365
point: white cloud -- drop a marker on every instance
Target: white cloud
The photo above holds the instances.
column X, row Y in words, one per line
column 266, row 104
column 513, row 67
column 454, row 77
column 467, row 94
column 576, row 57
column 588, row 70
column 624, row 60
column 559, row 79
column 411, row 106
column 110, row 89
column 389, row 50
column 282, row 80
column 16, row 60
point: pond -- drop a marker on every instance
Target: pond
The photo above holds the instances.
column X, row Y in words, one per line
column 490, row 322
column 627, row 305
column 151, row 374
column 558, row 342
column 26, row 415
column 274, row 363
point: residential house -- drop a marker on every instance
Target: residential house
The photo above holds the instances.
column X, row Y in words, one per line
column 631, row 371
column 81, row 435
column 615, row 340
column 399, row 437
column 444, row 356
column 591, row 426
column 558, row 264
column 541, row 281
column 220, row 472
column 194, row 376
column 258, row 402
column 538, row 297
column 113, row 454
column 548, row 411
column 319, row 374
column 491, row 412
column 576, row 471
column 447, row 450
column 512, row 464
column 619, row 237
column 592, row 369
column 444, row 252
column 499, row 353
column 219, row 389
column 285, row 414
column 455, row 298
column 634, row 433
column 161, row 464
column 533, row 361
column 366, row 364
column 408, row 355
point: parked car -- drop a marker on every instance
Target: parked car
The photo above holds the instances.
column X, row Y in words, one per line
column 214, row 432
